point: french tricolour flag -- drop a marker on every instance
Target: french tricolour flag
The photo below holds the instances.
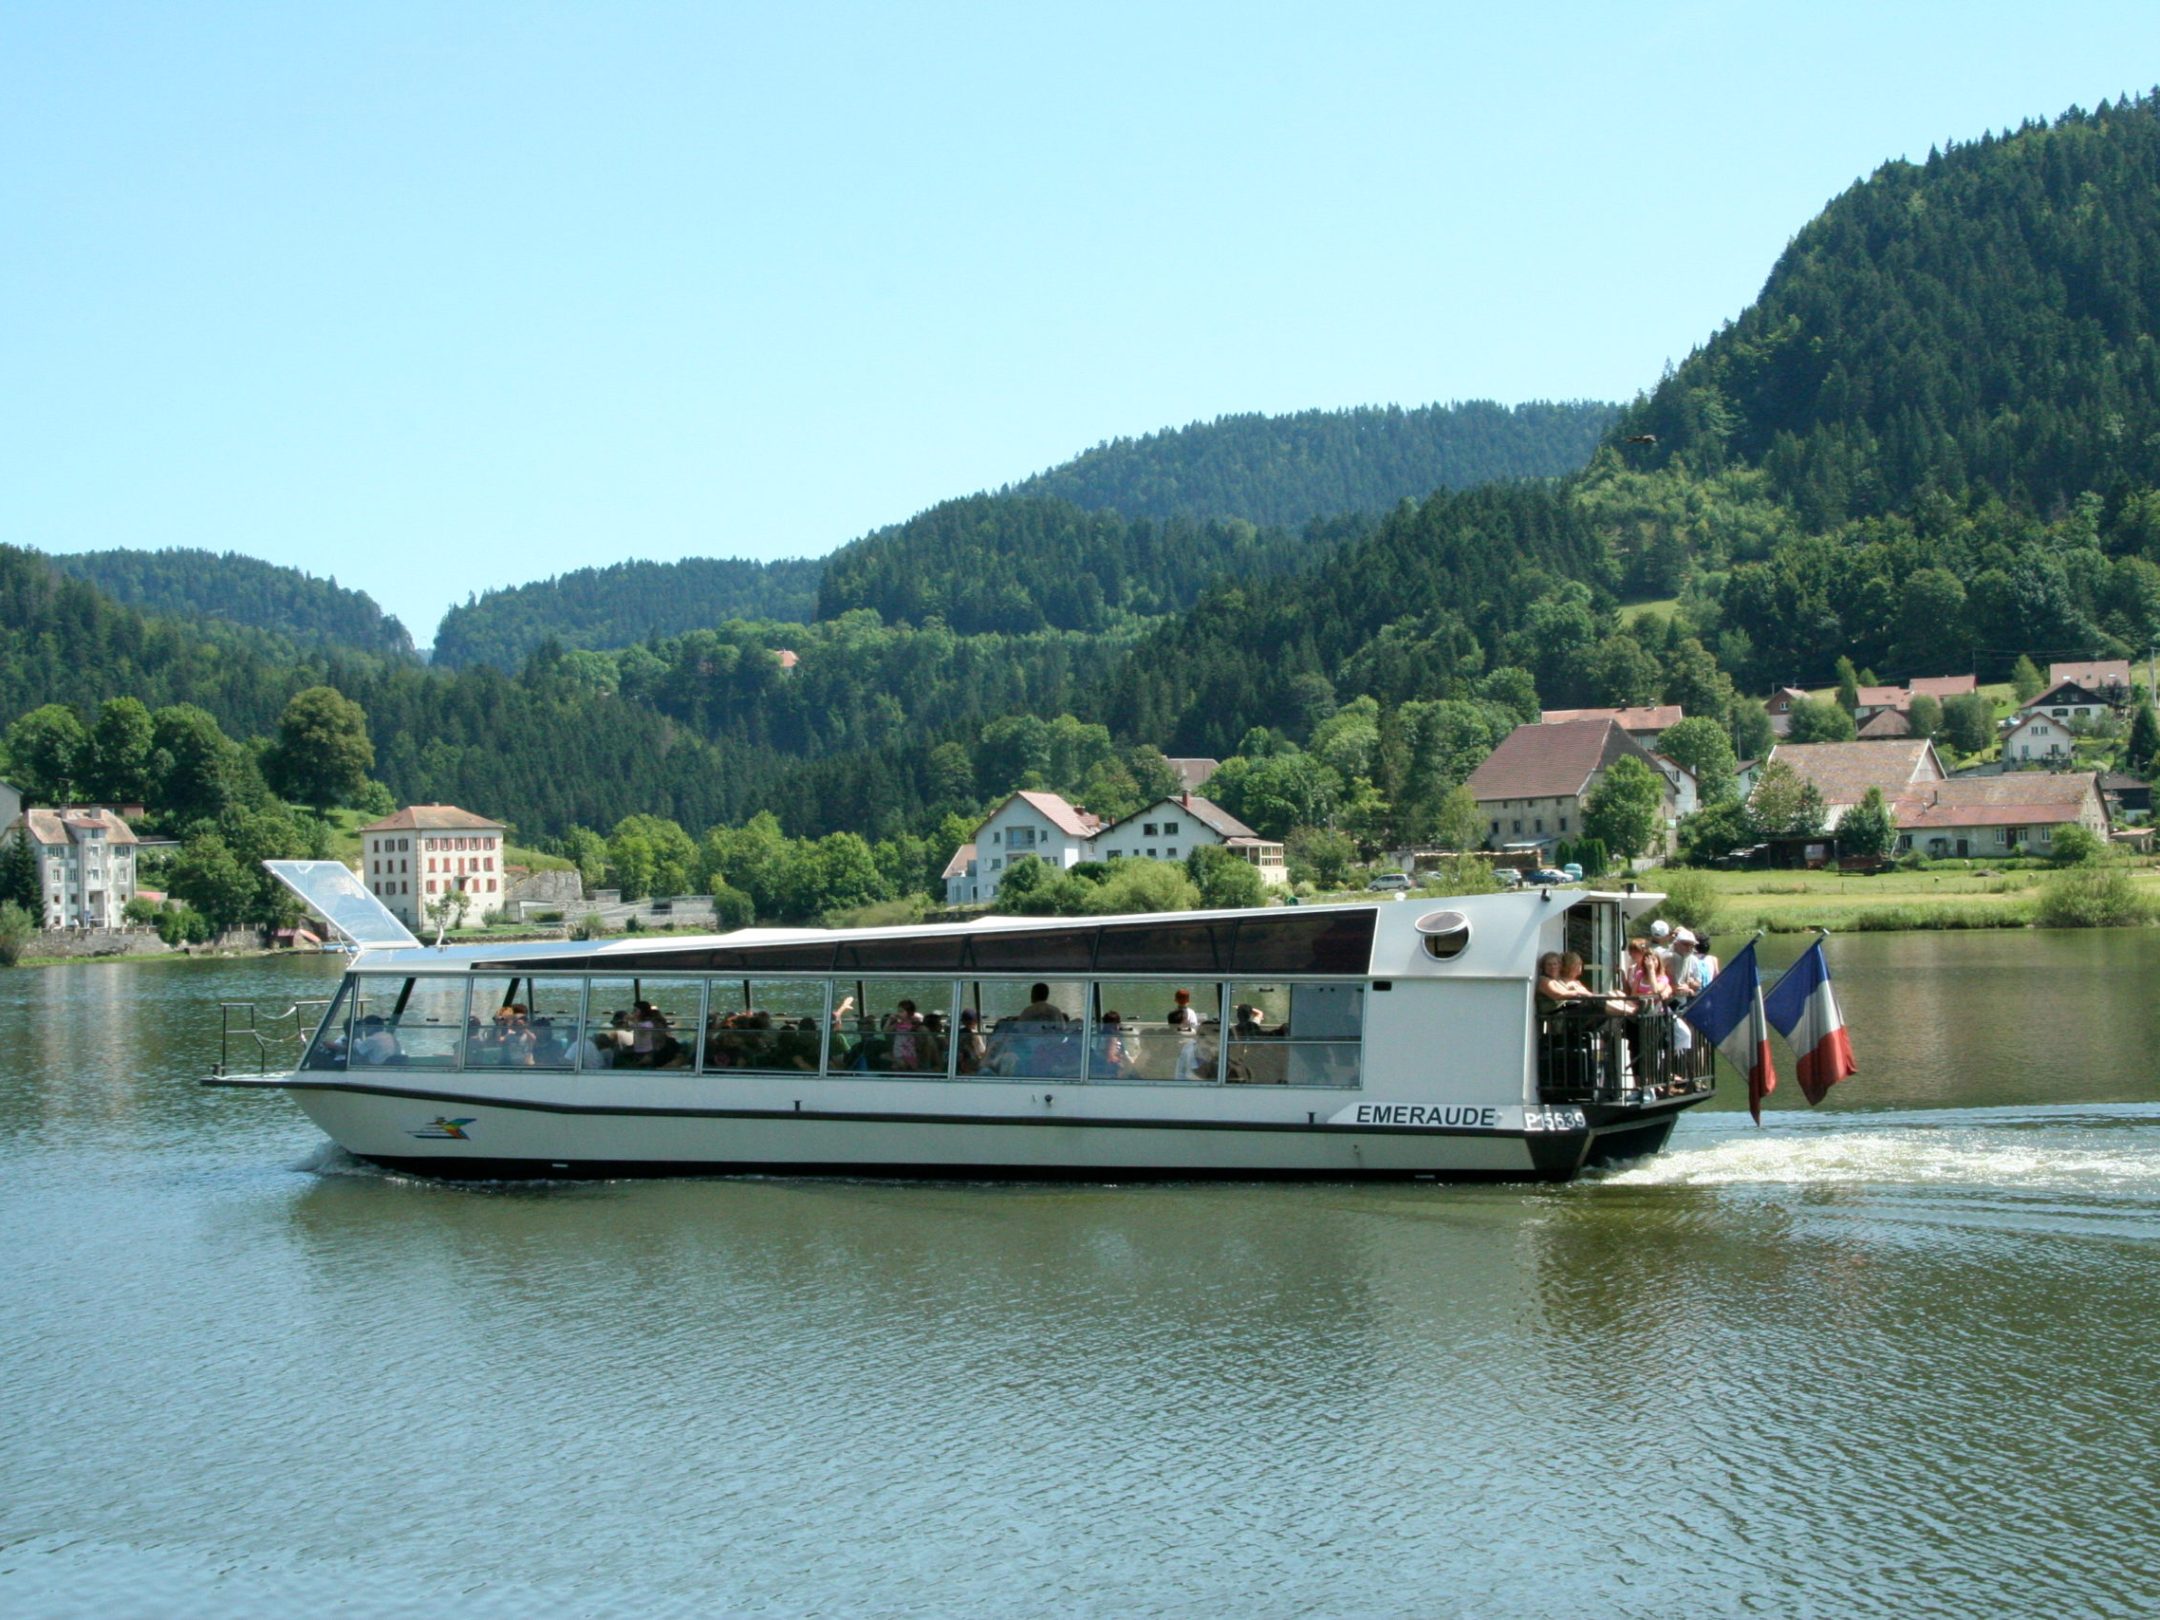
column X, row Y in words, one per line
column 1805, row 1010
column 1730, row 1016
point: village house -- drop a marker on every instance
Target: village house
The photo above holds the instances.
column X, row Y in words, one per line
column 1530, row 789
column 1873, row 700
column 411, row 859
column 1779, row 706
column 2068, row 700
column 1048, row 827
column 1843, row 772
column 1942, row 688
column 2033, row 738
column 85, row 865
column 1033, row 823
column 1998, row 815
column 1171, row 829
column 1645, row 724
column 2109, row 678
column 1886, row 723
column 2126, row 794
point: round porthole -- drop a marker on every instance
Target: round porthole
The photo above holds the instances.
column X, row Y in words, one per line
column 1447, row 934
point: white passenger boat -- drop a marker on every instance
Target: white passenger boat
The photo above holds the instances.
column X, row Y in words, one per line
column 1385, row 1039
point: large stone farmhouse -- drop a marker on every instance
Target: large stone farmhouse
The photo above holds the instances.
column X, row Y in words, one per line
column 1530, row 789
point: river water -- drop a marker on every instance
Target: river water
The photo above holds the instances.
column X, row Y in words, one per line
column 1894, row 1356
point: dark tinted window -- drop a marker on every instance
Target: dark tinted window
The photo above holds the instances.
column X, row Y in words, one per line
column 936, row 952
column 1064, row 950
column 1167, row 947
column 1327, row 942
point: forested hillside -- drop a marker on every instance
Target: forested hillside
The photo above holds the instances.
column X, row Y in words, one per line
column 1885, row 461
column 232, row 589
column 621, row 604
column 1980, row 323
column 1283, row 471
column 1005, row 564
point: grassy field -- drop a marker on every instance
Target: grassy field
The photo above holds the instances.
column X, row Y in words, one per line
column 1978, row 896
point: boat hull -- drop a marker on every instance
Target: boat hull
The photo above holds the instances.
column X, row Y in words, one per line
column 466, row 1138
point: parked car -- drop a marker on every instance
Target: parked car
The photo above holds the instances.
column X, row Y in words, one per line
column 1391, row 883
column 1573, row 871
column 1547, row 875
column 1507, row 877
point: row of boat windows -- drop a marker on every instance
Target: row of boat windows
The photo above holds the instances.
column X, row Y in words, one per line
column 1249, row 1032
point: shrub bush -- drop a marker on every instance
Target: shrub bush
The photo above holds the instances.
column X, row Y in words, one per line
column 16, row 928
column 2077, row 846
column 1691, row 900
column 2093, row 897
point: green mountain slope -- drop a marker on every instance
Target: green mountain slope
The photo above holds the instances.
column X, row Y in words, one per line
column 621, row 604
column 1010, row 564
column 1981, row 322
column 231, row 589
column 1283, row 471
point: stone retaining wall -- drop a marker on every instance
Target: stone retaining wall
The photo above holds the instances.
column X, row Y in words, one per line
column 96, row 942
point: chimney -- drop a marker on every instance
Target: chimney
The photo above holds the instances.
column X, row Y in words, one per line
column 1185, row 798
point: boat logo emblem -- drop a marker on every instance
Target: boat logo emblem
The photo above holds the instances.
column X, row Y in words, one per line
column 445, row 1130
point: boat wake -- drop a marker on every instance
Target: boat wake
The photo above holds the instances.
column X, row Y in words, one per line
column 2108, row 1151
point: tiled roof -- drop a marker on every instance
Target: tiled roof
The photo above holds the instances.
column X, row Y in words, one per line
column 1943, row 686
column 1066, row 817
column 1882, row 697
column 1648, row 717
column 433, row 818
column 1551, row 761
column 2097, row 672
column 1889, row 723
column 958, row 865
column 2065, row 693
column 1193, row 773
column 1995, row 801
column 1843, row 772
column 1213, row 815
column 64, row 825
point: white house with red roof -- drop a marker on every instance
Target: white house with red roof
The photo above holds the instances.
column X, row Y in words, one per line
column 1050, row 828
column 2035, row 738
column 1171, row 829
column 85, row 865
column 413, row 858
column 1030, row 822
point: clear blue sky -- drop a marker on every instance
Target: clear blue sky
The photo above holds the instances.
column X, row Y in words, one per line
column 439, row 297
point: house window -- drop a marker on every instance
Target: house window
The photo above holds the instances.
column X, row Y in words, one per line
column 996, row 862
column 1539, row 824
column 1563, row 823
column 2013, row 835
column 1169, row 829
column 1151, row 854
column 1518, row 826
column 1148, row 831
column 1171, row 852
column 1496, row 829
column 997, row 837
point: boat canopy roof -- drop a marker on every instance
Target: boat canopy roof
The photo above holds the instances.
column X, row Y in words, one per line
column 1341, row 940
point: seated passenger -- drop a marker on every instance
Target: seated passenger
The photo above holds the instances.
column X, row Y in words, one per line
column 377, row 1043
column 1571, row 975
column 1040, row 1009
column 1112, row 1060
column 905, row 1028
column 973, row 1050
